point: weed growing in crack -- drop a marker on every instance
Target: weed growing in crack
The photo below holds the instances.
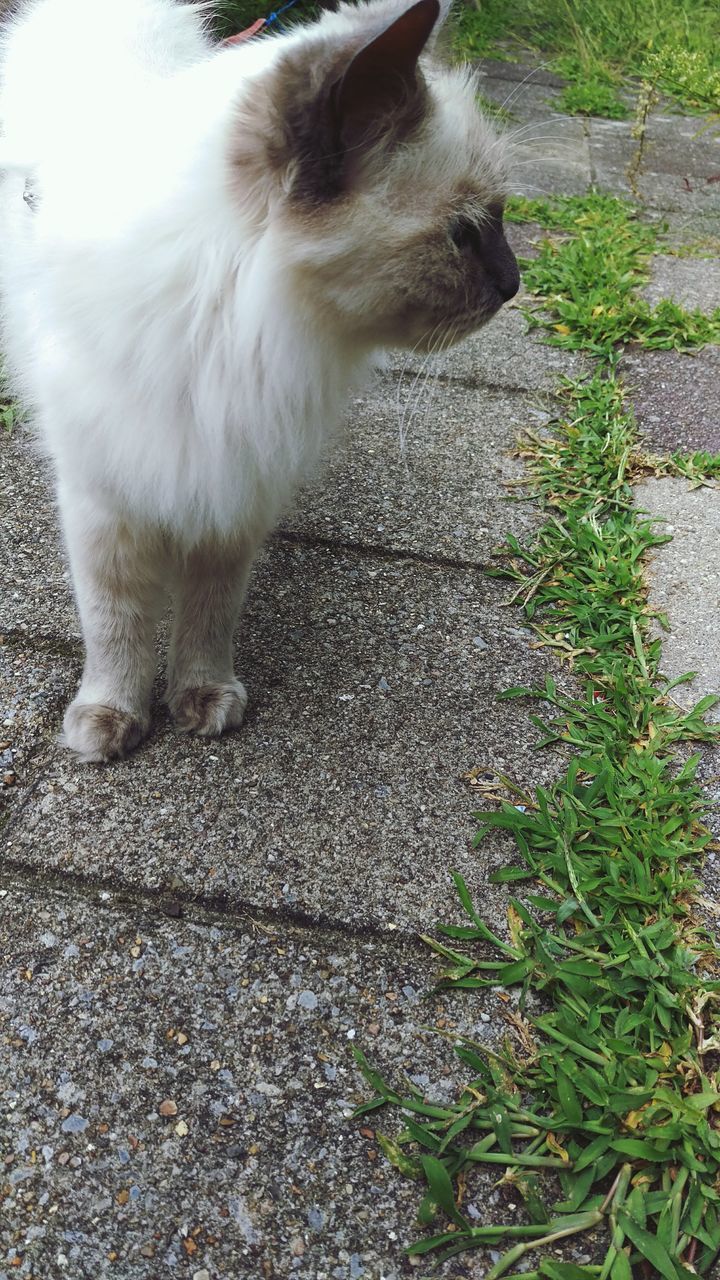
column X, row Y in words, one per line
column 601, row 1105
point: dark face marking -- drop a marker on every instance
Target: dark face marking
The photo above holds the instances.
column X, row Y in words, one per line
column 484, row 243
column 337, row 103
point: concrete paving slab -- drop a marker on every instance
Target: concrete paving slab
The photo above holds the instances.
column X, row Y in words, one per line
column 458, row 449
column 444, row 494
column 549, row 148
column 176, row 1096
column 684, row 229
column 675, row 398
column 504, row 356
column 682, row 145
column 610, row 142
column 525, row 72
column 672, row 145
column 693, row 283
column 35, row 588
column 684, row 578
column 665, row 192
column 34, row 688
column 677, row 169
column 523, row 238
column 530, row 101
column 373, row 689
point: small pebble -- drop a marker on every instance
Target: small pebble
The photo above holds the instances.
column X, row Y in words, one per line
column 74, row 1124
column 307, row 1000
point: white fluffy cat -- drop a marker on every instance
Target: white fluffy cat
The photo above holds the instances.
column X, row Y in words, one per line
column 219, row 239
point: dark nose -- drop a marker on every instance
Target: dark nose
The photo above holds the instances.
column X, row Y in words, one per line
column 501, row 264
column 487, row 244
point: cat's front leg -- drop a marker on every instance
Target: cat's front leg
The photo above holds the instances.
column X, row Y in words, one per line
column 203, row 693
column 118, row 575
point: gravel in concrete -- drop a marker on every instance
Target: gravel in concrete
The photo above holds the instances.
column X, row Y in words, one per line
column 675, row 398
column 444, row 493
column 34, row 688
column 693, row 283
column 176, row 1094
column 34, row 582
column 685, row 581
column 677, row 165
column 373, row 688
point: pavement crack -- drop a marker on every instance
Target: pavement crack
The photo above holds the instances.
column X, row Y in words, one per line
column 217, row 909
column 376, row 551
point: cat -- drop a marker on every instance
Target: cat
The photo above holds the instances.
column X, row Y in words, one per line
column 202, row 247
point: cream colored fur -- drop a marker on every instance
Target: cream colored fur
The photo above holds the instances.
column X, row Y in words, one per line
column 184, row 313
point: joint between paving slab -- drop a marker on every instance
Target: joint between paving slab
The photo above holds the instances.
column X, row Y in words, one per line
column 215, row 910
column 51, row 643
column 376, row 551
column 464, row 383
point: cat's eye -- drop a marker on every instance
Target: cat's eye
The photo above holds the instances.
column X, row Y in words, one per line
column 470, row 235
column 465, row 235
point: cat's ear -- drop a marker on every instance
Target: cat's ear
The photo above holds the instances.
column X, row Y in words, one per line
column 380, row 84
column 358, row 86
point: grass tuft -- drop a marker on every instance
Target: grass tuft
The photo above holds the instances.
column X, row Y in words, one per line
column 673, row 43
column 586, row 275
column 602, row 1104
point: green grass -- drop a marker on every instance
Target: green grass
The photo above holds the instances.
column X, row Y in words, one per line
column 592, row 98
column 675, row 43
column 601, row 1107
column 587, row 272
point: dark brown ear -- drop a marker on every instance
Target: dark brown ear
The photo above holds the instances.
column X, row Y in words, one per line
column 333, row 101
column 381, row 80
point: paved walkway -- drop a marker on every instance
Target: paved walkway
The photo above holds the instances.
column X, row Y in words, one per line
column 193, row 940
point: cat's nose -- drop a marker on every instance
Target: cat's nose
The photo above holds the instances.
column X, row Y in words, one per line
column 499, row 260
column 504, row 271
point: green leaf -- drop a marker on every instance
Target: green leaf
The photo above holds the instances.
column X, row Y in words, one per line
column 397, row 1157
column 430, row 1243
column 596, row 1148
column 569, row 1100
column 441, row 1190
column 621, row 1269
column 638, row 1149
column 501, row 1127
column 649, row 1246
column 566, row 1270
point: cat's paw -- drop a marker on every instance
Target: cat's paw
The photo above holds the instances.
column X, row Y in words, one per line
column 209, row 709
column 97, row 733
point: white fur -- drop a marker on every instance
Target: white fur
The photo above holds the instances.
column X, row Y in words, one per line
column 138, row 298
column 185, row 344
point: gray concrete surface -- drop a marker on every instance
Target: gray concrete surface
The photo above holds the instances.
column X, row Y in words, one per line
column 693, row 283
column 443, row 492
column 676, row 398
column 373, row 687
column 192, row 941
column 677, row 169
column 177, row 1094
column 684, row 577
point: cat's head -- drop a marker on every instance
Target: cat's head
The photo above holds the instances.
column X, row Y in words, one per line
column 384, row 184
